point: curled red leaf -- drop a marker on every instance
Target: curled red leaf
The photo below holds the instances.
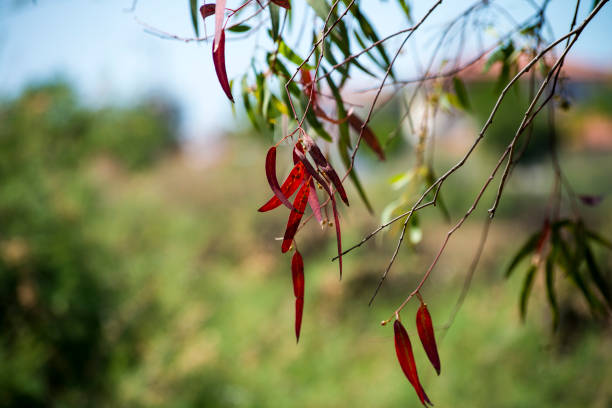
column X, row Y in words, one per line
column 290, row 185
column 207, row 10
column 301, row 199
column 297, row 273
column 272, row 180
column 338, row 236
column 219, row 61
column 368, row 135
column 403, row 349
column 426, row 334
column 282, row 3
column 328, row 170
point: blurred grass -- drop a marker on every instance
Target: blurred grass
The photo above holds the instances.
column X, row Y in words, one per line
column 182, row 297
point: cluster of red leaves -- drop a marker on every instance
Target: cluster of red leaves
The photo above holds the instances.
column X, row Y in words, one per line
column 403, row 349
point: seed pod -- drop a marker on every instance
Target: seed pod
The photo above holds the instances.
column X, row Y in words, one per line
column 426, row 334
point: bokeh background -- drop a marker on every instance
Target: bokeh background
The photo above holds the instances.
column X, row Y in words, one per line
column 136, row 271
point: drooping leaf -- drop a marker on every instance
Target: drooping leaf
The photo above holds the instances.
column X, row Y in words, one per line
column 368, row 135
column 596, row 276
column 290, row 185
column 527, row 248
column 219, row 61
column 219, row 14
column 273, row 181
column 403, row 349
column 461, row 92
column 313, row 201
column 301, row 199
column 426, row 334
column 338, row 236
column 550, row 289
column 328, row 170
column 596, row 237
column 297, row 274
column 193, row 9
column 341, row 112
column 526, row 290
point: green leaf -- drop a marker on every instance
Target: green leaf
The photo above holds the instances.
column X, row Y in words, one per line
column 527, row 247
column 406, row 8
column 241, row 28
column 288, row 53
column 340, row 110
column 594, row 236
column 274, row 20
column 526, row 290
column 596, row 274
column 461, row 93
column 550, row 289
column 193, row 8
column 247, row 103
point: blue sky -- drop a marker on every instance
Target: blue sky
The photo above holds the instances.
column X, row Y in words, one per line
column 104, row 51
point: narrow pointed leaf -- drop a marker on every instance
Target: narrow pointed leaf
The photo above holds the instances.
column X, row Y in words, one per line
column 301, row 199
column 219, row 14
column 594, row 236
column 219, row 61
column 591, row 200
column 461, row 92
column 403, row 349
column 527, row 285
column 426, row 334
column 550, row 290
column 290, row 185
column 527, row 247
column 313, row 201
column 368, row 136
column 328, row 170
column 596, row 276
column 297, row 274
column 338, row 234
column 273, row 181
column 299, row 309
column 193, row 9
column 346, row 159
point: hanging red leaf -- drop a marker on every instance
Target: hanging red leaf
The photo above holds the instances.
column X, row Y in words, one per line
column 282, row 3
column 219, row 14
column 272, row 180
column 297, row 273
column 313, row 173
column 290, row 185
column 368, row 135
column 403, row 349
column 207, row 10
column 426, row 334
column 308, row 85
column 313, row 201
column 328, row 170
column 301, row 199
column 219, row 61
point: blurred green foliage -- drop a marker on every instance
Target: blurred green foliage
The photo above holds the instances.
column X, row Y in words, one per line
column 126, row 280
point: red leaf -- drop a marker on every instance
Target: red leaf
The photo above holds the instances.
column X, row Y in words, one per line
column 301, row 199
column 207, row 10
column 403, row 349
column 308, row 85
column 591, row 200
column 329, row 171
column 299, row 309
column 297, row 273
column 368, row 135
column 313, row 201
column 272, row 180
column 219, row 12
column 426, row 334
column 290, row 185
column 338, row 237
column 219, row 61
column 310, row 170
column 282, row 3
